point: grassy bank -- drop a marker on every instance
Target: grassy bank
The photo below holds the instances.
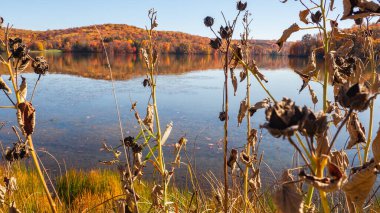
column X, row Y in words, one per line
column 81, row 191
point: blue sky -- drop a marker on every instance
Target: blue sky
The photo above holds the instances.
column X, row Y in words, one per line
column 270, row 17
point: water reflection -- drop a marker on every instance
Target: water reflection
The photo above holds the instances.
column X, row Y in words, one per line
column 76, row 113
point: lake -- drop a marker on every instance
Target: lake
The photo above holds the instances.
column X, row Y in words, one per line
column 76, row 110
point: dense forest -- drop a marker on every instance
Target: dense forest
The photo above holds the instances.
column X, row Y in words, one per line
column 304, row 47
column 121, row 38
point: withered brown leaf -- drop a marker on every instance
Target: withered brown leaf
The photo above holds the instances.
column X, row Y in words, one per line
column 263, row 104
column 356, row 130
column 313, row 95
column 303, row 16
column 345, row 49
column 286, row 34
column 26, row 117
column 234, row 81
column 358, row 187
column 4, row 86
column 288, row 197
column 242, row 111
column 149, row 118
column 23, row 90
column 376, row 147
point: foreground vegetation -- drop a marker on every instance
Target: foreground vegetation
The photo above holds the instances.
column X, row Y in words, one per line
column 318, row 179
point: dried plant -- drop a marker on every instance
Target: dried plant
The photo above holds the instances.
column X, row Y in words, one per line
column 18, row 59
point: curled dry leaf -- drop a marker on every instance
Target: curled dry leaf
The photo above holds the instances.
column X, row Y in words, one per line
column 255, row 71
column 146, row 57
column 252, row 137
column 263, row 104
column 356, row 130
column 288, row 197
column 11, row 184
column 358, row 187
column 234, row 81
column 26, row 117
column 13, row 208
column 303, row 16
column 23, row 90
column 336, row 33
column 232, row 160
column 376, row 147
column 255, row 181
column 242, row 111
column 156, row 195
column 345, row 49
column 24, row 64
column 109, row 162
column 323, row 145
column 3, row 191
column 167, row 132
column 340, row 159
column 286, row 34
column 246, row 159
column 366, row 8
column 149, row 118
column 326, row 184
column 314, row 97
column 4, row 86
column 243, row 74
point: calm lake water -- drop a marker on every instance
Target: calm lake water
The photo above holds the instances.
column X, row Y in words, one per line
column 76, row 111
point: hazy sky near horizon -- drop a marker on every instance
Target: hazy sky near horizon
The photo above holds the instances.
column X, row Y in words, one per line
column 270, row 17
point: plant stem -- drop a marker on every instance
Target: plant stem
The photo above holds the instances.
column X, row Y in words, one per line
column 248, row 147
column 371, row 107
column 226, row 128
column 30, row 141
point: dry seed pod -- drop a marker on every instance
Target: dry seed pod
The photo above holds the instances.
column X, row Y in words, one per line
column 288, row 197
column 252, row 137
column 241, row 6
column 356, row 97
column 286, row 34
column 149, row 118
column 208, row 21
column 356, row 130
column 40, row 65
column 242, row 111
column 316, row 17
column 26, row 117
column 358, row 187
column 216, row 43
column 246, row 159
column 283, row 118
column 4, row 86
column 303, row 16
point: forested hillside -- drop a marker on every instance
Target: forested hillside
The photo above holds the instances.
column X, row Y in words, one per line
column 121, row 38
